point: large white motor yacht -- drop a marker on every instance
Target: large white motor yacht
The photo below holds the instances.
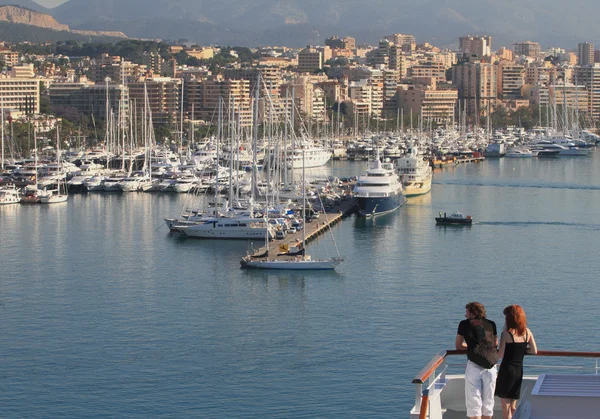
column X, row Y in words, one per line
column 379, row 191
column 415, row 173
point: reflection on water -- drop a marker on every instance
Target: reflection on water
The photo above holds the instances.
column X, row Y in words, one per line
column 105, row 313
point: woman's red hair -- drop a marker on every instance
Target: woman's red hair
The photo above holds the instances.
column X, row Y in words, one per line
column 516, row 319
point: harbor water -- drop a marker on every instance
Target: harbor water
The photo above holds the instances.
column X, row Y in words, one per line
column 106, row 314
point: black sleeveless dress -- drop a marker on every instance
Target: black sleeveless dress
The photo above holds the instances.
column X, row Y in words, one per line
column 510, row 374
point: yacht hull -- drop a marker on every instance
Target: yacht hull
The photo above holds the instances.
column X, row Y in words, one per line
column 417, row 188
column 378, row 206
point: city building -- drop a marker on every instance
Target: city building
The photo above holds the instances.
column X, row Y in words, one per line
column 310, row 60
column 20, row 95
column 10, row 57
column 590, row 77
column 341, row 43
column 201, row 98
column 476, row 84
column 510, row 78
column 116, row 69
column 406, row 42
column 437, row 106
column 89, row 99
column 480, row 46
column 585, row 53
column 527, row 48
column 164, row 98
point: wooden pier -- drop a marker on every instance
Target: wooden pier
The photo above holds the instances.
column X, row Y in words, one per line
column 313, row 229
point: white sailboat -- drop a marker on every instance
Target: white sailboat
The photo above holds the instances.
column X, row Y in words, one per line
column 301, row 261
column 60, row 193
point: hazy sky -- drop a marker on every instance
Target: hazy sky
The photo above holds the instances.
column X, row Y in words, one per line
column 50, row 3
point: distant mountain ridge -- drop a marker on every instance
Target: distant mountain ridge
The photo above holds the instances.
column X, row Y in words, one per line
column 19, row 15
column 254, row 22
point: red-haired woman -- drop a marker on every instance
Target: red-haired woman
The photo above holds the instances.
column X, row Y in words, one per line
column 516, row 341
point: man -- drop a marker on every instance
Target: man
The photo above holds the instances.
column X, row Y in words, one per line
column 479, row 337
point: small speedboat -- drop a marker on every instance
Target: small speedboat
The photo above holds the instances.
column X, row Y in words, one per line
column 456, row 218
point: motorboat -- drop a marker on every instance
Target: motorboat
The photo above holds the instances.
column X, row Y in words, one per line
column 456, row 218
column 566, row 389
column 521, row 153
column 9, row 194
column 379, row 191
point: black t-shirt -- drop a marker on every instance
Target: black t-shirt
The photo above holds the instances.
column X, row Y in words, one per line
column 480, row 335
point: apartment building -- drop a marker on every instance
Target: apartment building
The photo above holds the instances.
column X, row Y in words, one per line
column 527, row 48
column 480, row 46
column 308, row 97
column 10, row 57
column 585, row 53
column 90, row 99
column 590, row 77
column 574, row 96
column 476, row 84
column 346, row 42
column 432, row 69
column 397, row 60
column 505, row 54
column 437, row 106
column 310, row 60
column 20, row 95
column 510, row 79
column 202, row 98
column 164, row 98
column 114, row 68
column 406, row 42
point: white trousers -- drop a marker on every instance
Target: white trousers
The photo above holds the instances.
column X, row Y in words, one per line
column 480, row 384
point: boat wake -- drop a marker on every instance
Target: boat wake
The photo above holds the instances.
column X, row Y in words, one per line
column 538, row 223
column 523, row 185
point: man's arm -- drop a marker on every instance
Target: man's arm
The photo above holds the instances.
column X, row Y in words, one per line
column 460, row 342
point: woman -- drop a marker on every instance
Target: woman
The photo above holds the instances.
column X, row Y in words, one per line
column 516, row 340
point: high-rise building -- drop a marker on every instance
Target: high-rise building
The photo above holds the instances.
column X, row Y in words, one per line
column 310, row 60
column 476, row 84
column 590, row 77
column 90, row 99
column 20, row 95
column 585, row 53
column 434, row 105
column 341, row 43
column 164, row 98
column 527, row 48
column 477, row 45
column 405, row 42
column 510, row 78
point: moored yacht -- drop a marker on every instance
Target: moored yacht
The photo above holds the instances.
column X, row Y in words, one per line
column 379, row 191
column 309, row 156
column 9, row 194
column 415, row 173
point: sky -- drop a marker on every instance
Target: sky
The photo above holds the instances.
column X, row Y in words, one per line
column 50, row 3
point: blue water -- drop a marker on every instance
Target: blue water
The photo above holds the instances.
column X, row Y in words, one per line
column 104, row 314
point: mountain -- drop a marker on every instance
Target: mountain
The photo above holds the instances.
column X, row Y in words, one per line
column 14, row 14
column 19, row 22
column 17, row 32
column 28, row 4
column 299, row 22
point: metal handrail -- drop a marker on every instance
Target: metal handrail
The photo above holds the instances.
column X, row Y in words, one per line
column 440, row 357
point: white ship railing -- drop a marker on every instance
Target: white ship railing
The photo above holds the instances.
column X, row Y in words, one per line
column 430, row 381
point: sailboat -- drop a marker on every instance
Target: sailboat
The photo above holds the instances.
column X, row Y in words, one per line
column 301, row 261
column 60, row 194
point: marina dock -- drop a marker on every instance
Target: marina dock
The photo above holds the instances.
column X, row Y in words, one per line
column 313, row 228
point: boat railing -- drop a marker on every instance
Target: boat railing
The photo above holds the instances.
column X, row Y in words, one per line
column 433, row 375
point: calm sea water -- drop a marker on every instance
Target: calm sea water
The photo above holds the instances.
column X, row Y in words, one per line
column 104, row 314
